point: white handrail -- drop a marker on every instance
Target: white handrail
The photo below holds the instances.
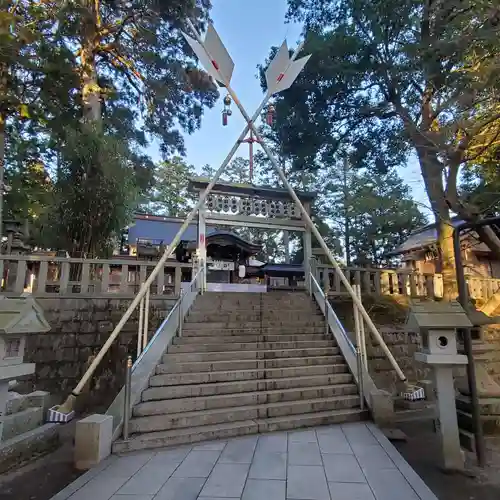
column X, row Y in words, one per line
column 172, row 311
column 375, row 332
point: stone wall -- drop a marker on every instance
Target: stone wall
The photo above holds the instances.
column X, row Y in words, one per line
column 403, row 346
column 79, row 328
column 389, row 315
column 491, row 336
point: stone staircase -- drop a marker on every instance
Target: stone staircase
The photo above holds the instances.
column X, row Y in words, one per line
column 245, row 363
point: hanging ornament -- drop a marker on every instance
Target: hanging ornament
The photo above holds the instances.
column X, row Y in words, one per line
column 270, row 115
column 226, row 112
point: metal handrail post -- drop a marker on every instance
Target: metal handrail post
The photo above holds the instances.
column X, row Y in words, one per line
column 327, row 327
column 140, row 327
column 145, row 329
column 359, row 362
column 126, row 398
column 179, row 317
column 362, row 333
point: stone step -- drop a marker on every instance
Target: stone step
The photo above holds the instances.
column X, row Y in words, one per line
column 224, row 431
column 266, row 307
column 177, row 347
column 188, row 331
column 21, row 422
column 241, row 386
column 168, row 406
column 233, row 375
column 226, row 316
column 226, row 415
column 257, row 325
column 186, row 357
column 245, row 364
column 221, row 339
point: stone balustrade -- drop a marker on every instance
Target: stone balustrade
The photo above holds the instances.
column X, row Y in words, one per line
column 45, row 276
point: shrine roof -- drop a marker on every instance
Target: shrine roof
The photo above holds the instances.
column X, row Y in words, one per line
column 162, row 229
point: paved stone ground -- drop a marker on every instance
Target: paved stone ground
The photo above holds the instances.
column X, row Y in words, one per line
column 347, row 462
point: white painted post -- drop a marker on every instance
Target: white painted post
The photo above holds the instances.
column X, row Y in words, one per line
column 285, row 79
column 202, row 245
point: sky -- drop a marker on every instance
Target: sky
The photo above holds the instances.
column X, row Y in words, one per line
column 248, row 29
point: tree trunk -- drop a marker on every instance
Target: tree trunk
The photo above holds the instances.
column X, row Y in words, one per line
column 91, row 96
column 2, row 171
column 432, row 173
column 91, row 93
column 347, row 226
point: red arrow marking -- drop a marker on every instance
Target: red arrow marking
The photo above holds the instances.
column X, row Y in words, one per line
column 215, row 65
column 280, row 77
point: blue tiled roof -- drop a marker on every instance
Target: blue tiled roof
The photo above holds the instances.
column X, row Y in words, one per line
column 158, row 231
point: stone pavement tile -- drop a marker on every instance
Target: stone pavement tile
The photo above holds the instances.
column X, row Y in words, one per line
column 132, row 497
column 308, row 436
column 372, row 457
column 264, row 489
column 102, row 487
column 416, row 482
column 197, row 464
column 358, row 434
column 180, row 488
column 149, row 479
column 128, row 465
column 272, row 443
column 217, row 498
column 239, row 450
column 300, row 453
column 174, row 454
column 268, row 466
column 350, row 491
column 81, row 481
column 343, row 468
column 333, row 440
column 211, row 446
column 389, row 484
column 306, row 482
column 226, row 480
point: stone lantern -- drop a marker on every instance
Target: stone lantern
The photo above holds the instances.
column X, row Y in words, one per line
column 19, row 317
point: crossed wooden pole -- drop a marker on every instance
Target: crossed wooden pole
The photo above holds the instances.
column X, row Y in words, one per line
column 281, row 73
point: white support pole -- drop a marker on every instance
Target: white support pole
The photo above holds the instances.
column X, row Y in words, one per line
column 327, row 251
column 202, row 245
column 305, row 215
column 67, row 406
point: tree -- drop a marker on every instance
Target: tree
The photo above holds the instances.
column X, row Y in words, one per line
column 84, row 87
column 382, row 215
column 169, row 194
column 237, row 171
column 399, row 74
column 24, row 53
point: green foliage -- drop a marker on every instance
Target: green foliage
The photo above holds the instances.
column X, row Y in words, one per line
column 84, row 88
column 169, row 194
column 382, row 215
column 392, row 76
column 94, row 193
